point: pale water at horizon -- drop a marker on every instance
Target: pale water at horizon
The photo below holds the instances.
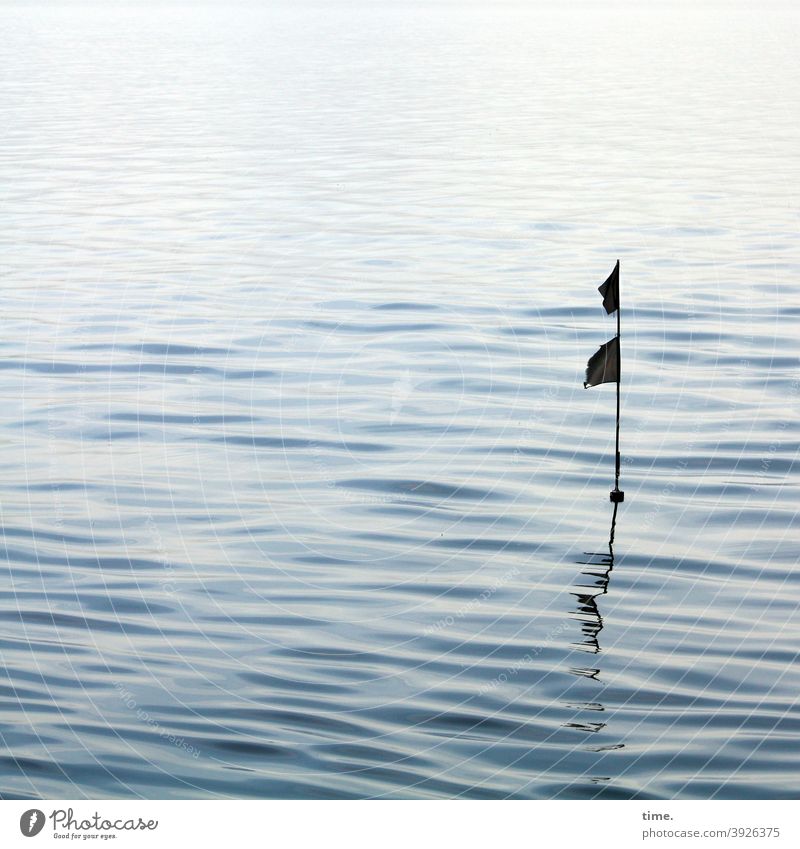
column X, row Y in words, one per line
column 302, row 495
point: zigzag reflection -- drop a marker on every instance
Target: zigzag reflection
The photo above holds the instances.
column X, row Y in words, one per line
column 587, row 613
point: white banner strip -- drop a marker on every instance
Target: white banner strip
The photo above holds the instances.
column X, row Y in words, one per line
column 405, row 825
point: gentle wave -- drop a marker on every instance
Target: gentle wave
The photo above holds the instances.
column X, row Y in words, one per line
column 302, row 493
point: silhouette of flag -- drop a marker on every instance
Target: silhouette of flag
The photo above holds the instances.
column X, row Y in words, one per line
column 603, row 365
column 610, row 290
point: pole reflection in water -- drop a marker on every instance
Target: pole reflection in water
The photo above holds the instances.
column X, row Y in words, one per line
column 587, row 613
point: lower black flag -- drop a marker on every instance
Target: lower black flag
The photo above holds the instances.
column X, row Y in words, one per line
column 603, row 365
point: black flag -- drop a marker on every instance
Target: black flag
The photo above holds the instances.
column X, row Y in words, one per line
column 603, row 365
column 610, row 290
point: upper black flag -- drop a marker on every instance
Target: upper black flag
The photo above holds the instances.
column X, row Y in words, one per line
column 603, row 365
column 610, row 290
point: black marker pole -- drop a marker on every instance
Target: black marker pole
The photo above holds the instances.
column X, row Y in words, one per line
column 617, row 495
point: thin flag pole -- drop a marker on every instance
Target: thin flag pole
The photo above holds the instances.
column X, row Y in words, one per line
column 605, row 366
column 618, row 496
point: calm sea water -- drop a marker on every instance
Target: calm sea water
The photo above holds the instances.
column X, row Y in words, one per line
column 301, row 492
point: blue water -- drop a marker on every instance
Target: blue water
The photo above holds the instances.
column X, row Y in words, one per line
column 301, row 493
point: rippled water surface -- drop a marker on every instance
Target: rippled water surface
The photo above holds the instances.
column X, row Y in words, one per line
column 301, row 491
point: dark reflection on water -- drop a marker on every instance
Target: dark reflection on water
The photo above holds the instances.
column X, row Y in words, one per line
column 587, row 613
